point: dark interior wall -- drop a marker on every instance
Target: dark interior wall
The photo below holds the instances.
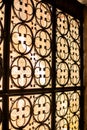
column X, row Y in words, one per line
column 85, row 66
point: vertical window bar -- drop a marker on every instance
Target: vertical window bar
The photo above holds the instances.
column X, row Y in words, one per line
column 53, row 65
column 6, row 64
column 81, row 75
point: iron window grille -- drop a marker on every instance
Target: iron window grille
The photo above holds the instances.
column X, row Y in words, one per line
column 41, row 83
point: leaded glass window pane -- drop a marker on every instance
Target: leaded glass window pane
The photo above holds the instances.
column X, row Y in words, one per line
column 68, row 50
column 40, row 65
column 30, row 48
column 68, row 71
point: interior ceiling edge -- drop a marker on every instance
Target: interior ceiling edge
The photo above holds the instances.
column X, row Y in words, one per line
column 69, row 6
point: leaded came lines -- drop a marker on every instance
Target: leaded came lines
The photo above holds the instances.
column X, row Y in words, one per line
column 30, row 68
column 68, row 50
column 31, row 36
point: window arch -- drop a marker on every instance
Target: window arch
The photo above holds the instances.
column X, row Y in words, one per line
column 41, row 65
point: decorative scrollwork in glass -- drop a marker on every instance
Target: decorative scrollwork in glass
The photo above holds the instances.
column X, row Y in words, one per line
column 31, row 37
column 42, row 76
column 67, row 110
column 43, row 15
column 24, row 9
column 43, row 127
column 62, row 48
column 21, row 72
column 75, row 74
column 62, row 124
column 62, row 104
column 43, row 43
column 42, row 72
column 62, row 73
column 68, row 50
column 74, row 102
column 42, row 108
column 20, row 112
column 74, row 51
column 22, row 38
column 32, row 111
column 74, row 31
column 62, row 23
column 74, row 123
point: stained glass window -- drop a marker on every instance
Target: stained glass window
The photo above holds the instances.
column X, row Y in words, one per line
column 40, row 62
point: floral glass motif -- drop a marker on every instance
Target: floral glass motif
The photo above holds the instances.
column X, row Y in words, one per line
column 31, row 36
column 68, row 50
column 35, row 99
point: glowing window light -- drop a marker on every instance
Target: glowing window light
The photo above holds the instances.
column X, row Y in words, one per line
column 31, row 78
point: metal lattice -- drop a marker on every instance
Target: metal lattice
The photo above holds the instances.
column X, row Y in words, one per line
column 43, row 83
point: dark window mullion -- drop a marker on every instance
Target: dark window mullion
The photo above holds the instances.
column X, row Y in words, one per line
column 6, row 65
column 81, row 75
column 53, row 66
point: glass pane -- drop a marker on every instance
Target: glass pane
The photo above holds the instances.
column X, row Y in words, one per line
column 68, row 50
column 67, row 110
column 30, row 47
column 32, row 112
column 1, row 40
